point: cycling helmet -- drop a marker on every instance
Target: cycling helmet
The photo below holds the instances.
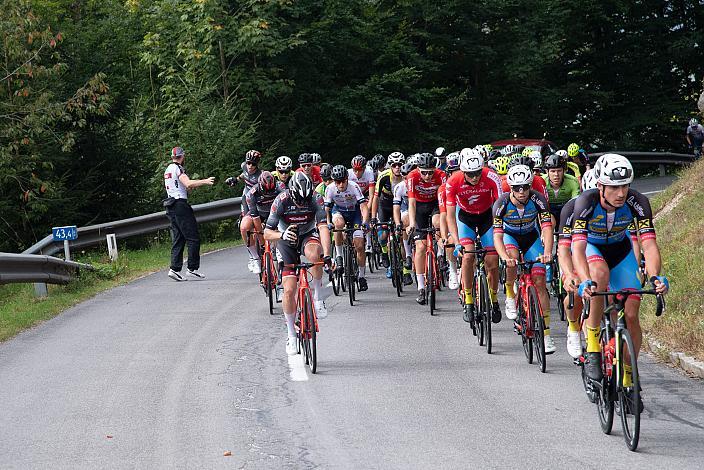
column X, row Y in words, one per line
column 339, row 173
column 572, row 150
column 440, row 151
column 562, row 153
column 520, row 160
column 300, row 187
column 315, row 158
column 693, row 122
column 453, row 161
column 519, row 175
column 252, row 156
column 326, row 171
column 426, row 161
column 481, row 151
column 589, row 179
column 374, row 164
column 555, row 161
column 507, row 150
column 267, row 183
column 494, row 154
column 395, row 158
column 177, row 152
column 470, row 160
column 304, row 158
column 359, row 162
column 491, row 164
column 406, row 168
column 526, row 151
column 501, row 165
column 614, row 170
column 488, row 147
column 413, row 160
column 381, row 159
column 283, row 163
column 537, row 158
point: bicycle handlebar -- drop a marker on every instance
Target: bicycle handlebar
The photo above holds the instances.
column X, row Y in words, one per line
column 621, row 297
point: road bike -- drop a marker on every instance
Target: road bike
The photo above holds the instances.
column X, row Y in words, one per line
column 432, row 274
column 616, row 343
column 268, row 272
column 395, row 255
column 530, row 324
column 306, row 319
column 350, row 267
column 481, row 326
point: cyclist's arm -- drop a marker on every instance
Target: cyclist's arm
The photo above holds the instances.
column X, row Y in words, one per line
column 498, row 211
column 582, row 211
column 411, row 211
column 546, row 226
column 364, row 207
column 271, row 231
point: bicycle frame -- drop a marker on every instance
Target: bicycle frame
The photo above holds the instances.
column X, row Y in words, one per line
column 525, row 280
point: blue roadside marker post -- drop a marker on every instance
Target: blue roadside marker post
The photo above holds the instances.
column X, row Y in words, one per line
column 64, row 234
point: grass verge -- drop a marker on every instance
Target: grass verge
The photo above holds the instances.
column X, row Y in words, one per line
column 20, row 309
column 681, row 239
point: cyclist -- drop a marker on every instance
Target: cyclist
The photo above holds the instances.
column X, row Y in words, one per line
column 537, row 184
column 440, row 158
column 561, row 187
column 423, row 184
column 345, row 204
column 259, row 200
column 695, row 136
column 578, row 156
column 569, row 276
column 452, row 162
column 471, row 194
column 383, row 203
column 283, row 170
column 298, row 220
column 316, row 160
column 572, row 168
column 603, row 254
column 401, row 219
column 326, row 175
column 521, row 220
column 305, row 160
column 361, row 174
column 250, row 175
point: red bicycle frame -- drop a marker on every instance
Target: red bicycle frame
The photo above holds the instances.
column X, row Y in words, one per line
column 268, row 260
column 303, row 287
column 525, row 280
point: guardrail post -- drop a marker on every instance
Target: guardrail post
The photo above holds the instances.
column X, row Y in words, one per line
column 662, row 169
column 112, row 246
column 40, row 290
column 67, row 251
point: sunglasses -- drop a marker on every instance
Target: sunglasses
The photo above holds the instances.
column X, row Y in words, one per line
column 396, row 165
column 306, row 165
column 473, row 174
column 520, row 188
column 427, row 172
column 251, row 164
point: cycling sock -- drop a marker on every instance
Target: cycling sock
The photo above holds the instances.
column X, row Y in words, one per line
column 253, row 251
column 593, row 340
column 492, row 295
column 421, row 281
column 573, row 325
column 407, row 247
column 546, row 319
column 509, row 290
column 316, row 284
column 290, row 324
column 338, row 251
column 362, row 271
column 468, row 297
column 627, row 376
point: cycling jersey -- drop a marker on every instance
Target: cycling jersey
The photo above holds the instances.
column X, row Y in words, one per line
column 314, row 174
column 421, row 190
column 174, row 187
column 538, row 185
column 385, row 186
column 558, row 198
column 564, row 228
column 595, row 225
column 285, row 212
column 278, row 175
column 441, row 199
column 473, row 198
column 401, row 196
column 508, row 218
column 365, row 181
column 250, row 179
column 346, row 201
column 259, row 202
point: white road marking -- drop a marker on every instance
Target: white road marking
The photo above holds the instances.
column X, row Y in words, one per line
column 298, row 368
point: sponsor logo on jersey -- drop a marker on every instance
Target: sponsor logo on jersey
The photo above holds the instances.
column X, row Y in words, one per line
column 644, row 224
column 580, row 224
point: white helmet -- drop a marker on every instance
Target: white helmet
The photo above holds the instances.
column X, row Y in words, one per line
column 614, row 170
column 470, row 160
column 396, row 157
column 283, row 163
column 482, row 151
column 316, row 158
column 519, row 175
column 491, row 164
column 589, row 179
column 562, row 153
column 507, row 150
column 537, row 158
column 440, row 151
column 413, row 160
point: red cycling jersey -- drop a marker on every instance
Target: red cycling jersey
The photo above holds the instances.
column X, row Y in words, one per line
column 537, row 185
column 442, row 198
column 423, row 191
column 473, row 199
column 314, row 174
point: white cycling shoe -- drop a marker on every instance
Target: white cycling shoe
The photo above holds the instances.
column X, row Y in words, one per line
column 549, row 345
column 511, row 310
column 321, row 310
column 452, row 281
column 291, row 346
column 574, row 344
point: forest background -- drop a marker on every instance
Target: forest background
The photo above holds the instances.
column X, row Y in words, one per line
column 94, row 93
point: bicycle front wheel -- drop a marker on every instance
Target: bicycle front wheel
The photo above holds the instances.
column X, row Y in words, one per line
column 430, row 281
column 269, row 281
column 349, row 275
column 538, row 327
column 309, row 331
column 629, row 397
column 478, row 324
column 526, row 336
column 485, row 306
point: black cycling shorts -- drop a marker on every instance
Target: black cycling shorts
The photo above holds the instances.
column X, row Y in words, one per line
column 291, row 253
column 424, row 217
column 386, row 212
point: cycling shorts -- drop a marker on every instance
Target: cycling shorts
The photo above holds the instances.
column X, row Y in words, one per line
column 291, row 253
column 351, row 218
column 424, row 217
column 385, row 212
column 530, row 245
column 469, row 225
column 621, row 261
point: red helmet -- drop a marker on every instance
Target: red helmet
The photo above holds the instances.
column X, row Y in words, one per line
column 267, row 182
column 359, row 162
column 252, row 156
column 177, row 152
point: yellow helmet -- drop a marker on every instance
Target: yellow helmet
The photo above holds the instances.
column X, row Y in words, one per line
column 526, row 151
column 488, row 147
column 501, row 165
column 573, row 150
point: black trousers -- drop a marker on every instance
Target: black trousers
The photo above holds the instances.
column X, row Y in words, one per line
column 184, row 230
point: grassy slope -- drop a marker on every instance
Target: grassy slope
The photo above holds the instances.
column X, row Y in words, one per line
column 681, row 240
column 20, row 309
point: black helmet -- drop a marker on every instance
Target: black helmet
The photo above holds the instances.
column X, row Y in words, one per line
column 374, row 164
column 305, row 158
column 339, row 173
column 555, row 161
column 521, row 160
column 315, row 158
column 406, row 168
column 381, row 160
column 300, row 187
column 325, row 171
column 252, row 156
column 426, row 161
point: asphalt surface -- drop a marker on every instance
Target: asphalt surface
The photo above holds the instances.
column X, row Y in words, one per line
column 157, row 374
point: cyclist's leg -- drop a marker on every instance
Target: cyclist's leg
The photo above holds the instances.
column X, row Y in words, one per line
column 339, row 222
column 314, row 253
column 359, row 240
column 485, row 227
column 289, row 256
column 599, row 273
column 538, row 274
column 467, row 240
column 406, row 241
column 624, row 276
column 512, row 250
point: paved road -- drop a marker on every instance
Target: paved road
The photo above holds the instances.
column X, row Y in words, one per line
column 178, row 374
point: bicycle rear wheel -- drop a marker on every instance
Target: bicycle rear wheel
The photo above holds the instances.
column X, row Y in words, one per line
column 349, row 274
column 309, row 331
column 396, row 269
column 430, row 281
column 538, row 327
column 478, row 324
column 629, row 398
column 269, row 281
column 526, row 336
column 485, row 306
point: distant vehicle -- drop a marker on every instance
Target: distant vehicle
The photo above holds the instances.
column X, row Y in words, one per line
column 545, row 147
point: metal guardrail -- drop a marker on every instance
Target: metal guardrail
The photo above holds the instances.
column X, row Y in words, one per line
column 95, row 234
column 37, row 268
column 655, row 158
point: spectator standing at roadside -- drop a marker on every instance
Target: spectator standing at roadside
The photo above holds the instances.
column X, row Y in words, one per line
column 695, row 136
column 184, row 228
